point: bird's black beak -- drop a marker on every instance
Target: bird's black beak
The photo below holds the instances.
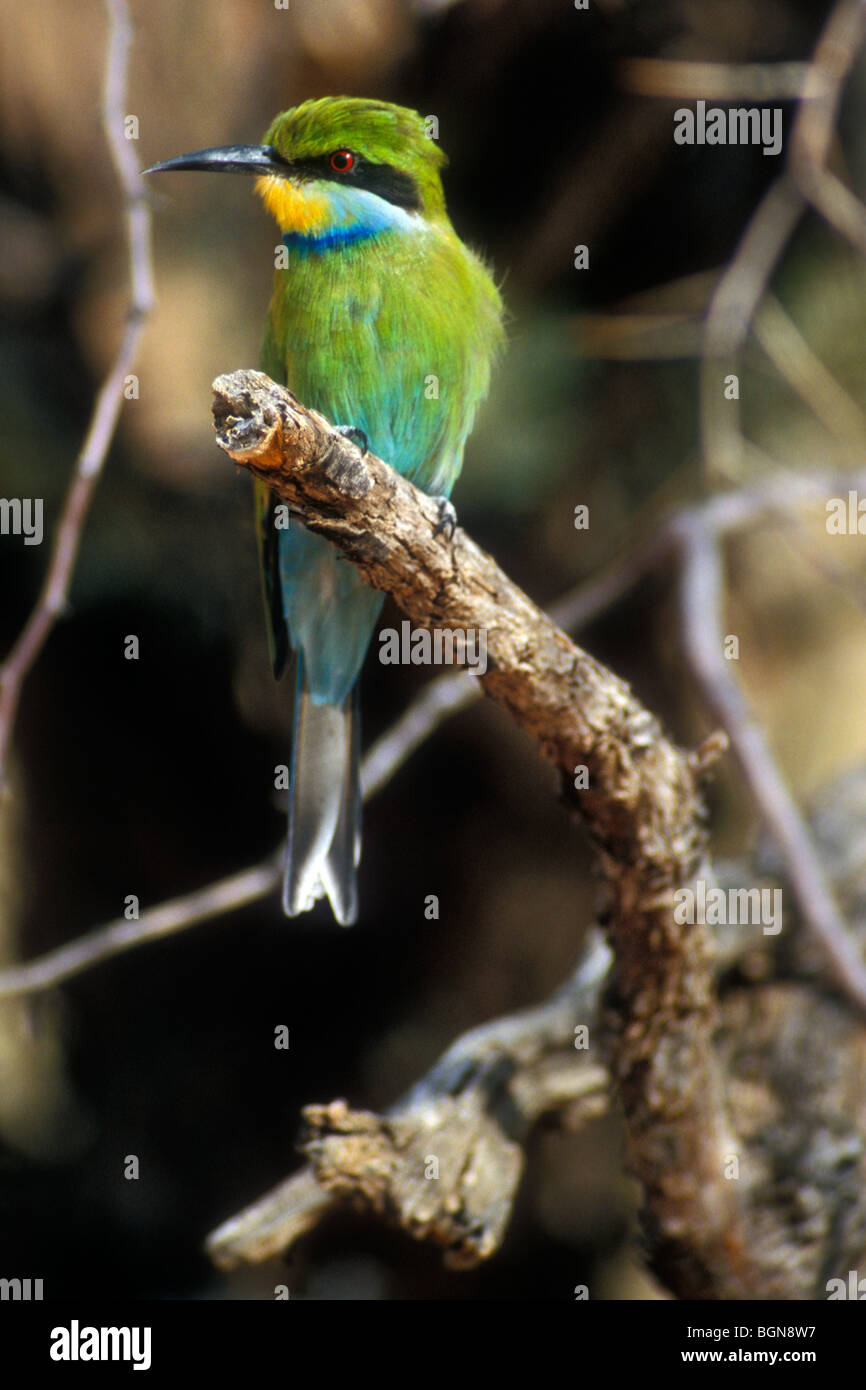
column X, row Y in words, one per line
column 229, row 159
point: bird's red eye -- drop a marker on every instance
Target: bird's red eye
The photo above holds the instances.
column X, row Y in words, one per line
column 342, row 161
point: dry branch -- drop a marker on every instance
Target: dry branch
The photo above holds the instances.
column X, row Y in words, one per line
column 642, row 803
column 470, row 1115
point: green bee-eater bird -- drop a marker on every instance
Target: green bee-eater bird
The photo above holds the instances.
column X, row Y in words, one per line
column 387, row 324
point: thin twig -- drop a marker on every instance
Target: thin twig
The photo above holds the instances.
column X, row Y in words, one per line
column 702, row 586
column 101, row 944
column 806, row 374
column 814, row 130
column 680, row 79
column 732, row 308
column 443, row 697
column 89, row 465
column 745, row 281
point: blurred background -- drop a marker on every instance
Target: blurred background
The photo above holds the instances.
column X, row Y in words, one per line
column 155, row 776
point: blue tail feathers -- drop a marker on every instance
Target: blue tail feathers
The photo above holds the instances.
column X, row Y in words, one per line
column 331, row 614
column 324, row 806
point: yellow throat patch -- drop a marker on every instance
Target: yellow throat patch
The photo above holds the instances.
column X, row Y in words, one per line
column 296, row 209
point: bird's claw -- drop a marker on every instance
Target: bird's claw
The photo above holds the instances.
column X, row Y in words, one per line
column 447, row 522
column 356, row 435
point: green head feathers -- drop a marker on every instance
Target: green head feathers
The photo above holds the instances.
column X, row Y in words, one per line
column 355, row 142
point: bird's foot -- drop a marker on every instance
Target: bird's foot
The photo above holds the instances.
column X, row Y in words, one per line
column 356, row 435
column 447, row 522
